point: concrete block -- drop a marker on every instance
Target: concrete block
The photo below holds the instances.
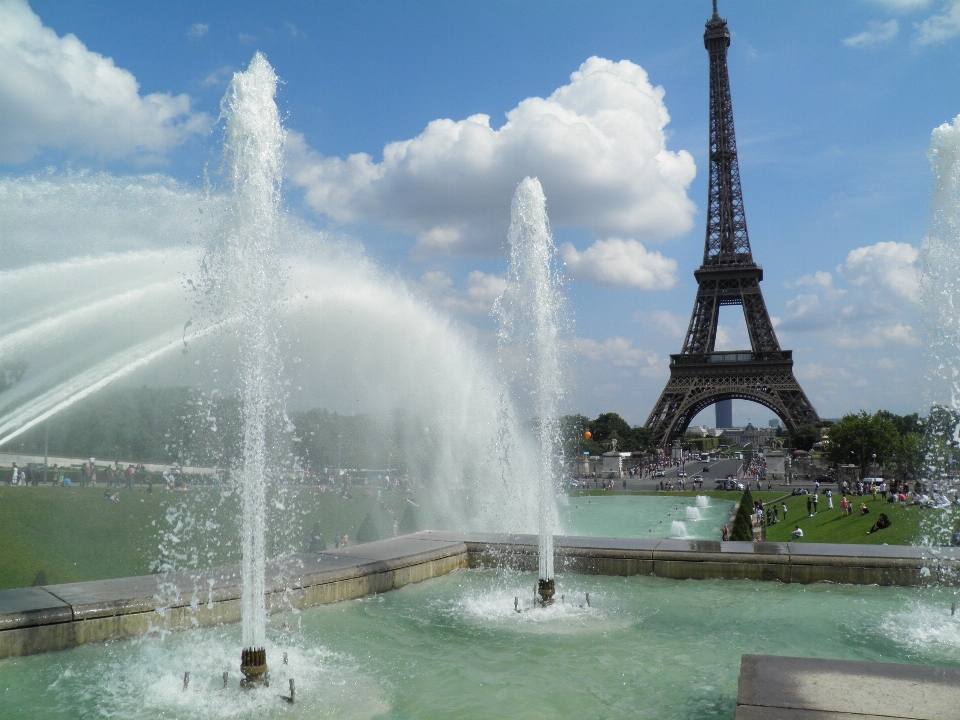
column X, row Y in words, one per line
column 25, row 607
column 772, row 685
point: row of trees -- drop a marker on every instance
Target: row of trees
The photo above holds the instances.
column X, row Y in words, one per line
column 909, row 444
column 184, row 426
column 603, row 429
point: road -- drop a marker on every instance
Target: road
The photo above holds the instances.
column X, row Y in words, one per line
column 710, row 471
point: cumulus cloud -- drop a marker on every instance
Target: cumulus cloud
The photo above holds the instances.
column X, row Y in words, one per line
column 597, row 145
column 902, row 5
column 620, row 352
column 875, row 308
column 887, row 266
column 198, row 30
column 876, row 33
column 476, row 296
column 663, row 322
column 55, row 93
column 220, row 76
column 620, row 263
column 940, row 27
column 818, row 279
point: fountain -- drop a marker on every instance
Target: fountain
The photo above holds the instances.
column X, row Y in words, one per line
column 244, row 282
column 666, row 629
column 531, row 314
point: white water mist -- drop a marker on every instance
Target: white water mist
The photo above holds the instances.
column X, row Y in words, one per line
column 940, row 294
column 245, row 278
column 941, row 277
column 532, row 315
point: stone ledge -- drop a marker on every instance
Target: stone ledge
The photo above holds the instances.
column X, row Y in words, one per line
column 812, row 689
column 61, row 616
column 703, row 559
column 58, row 617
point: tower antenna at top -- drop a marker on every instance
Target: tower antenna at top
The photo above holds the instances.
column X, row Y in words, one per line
column 715, row 13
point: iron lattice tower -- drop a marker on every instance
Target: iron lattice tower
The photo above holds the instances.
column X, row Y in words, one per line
column 700, row 376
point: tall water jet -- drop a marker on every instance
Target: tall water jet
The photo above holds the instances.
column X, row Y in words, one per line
column 941, row 282
column 940, row 302
column 245, row 278
column 532, row 315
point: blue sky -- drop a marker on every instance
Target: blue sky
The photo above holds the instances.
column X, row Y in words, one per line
column 834, row 106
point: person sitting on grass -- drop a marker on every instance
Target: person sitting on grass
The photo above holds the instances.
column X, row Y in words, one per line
column 882, row 522
column 797, row 533
column 864, row 509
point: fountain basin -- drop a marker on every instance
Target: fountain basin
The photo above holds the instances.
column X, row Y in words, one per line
column 646, row 647
column 57, row 617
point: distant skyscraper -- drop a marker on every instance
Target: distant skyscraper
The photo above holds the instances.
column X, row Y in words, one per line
column 724, row 413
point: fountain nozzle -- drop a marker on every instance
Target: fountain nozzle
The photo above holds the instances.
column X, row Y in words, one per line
column 253, row 665
column 546, row 590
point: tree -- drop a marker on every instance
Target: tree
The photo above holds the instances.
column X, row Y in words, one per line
column 572, row 428
column 857, row 438
column 610, row 426
column 805, row 436
column 904, row 423
column 741, row 523
column 942, row 423
column 909, row 459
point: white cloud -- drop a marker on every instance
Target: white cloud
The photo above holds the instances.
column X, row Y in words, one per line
column 475, row 298
column 902, row 5
column 806, row 312
column 620, row 263
column 887, row 266
column 220, row 76
column 819, row 279
column 597, row 145
column 940, row 27
column 665, row 323
column 876, row 33
column 620, row 352
column 198, row 30
column 877, row 336
column 55, row 93
column 876, row 310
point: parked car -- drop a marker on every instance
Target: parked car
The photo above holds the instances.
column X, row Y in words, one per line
column 658, row 472
column 729, row 484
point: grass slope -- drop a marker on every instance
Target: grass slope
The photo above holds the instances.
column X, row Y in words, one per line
column 75, row 534
column 829, row 526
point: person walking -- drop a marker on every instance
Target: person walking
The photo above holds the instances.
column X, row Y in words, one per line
column 829, row 499
column 784, row 511
column 814, row 502
column 809, row 506
column 15, row 475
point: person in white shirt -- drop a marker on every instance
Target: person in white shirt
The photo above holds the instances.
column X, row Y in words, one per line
column 797, row 533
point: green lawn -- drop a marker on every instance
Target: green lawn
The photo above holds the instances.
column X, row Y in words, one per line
column 828, row 526
column 74, row 534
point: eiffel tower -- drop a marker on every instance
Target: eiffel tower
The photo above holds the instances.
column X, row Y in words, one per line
column 700, row 376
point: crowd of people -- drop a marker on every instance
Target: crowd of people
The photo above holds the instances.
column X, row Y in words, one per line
column 88, row 474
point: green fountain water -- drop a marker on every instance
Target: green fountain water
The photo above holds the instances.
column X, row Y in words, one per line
column 645, row 648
